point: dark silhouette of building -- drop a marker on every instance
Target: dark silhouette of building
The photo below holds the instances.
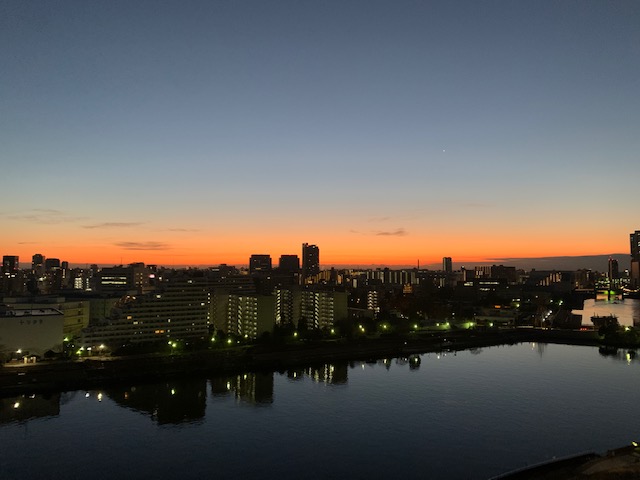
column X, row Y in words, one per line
column 310, row 260
column 10, row 264
column 51, row 264
column 447, row 265
column 37, row 264
column 635, row 258
column 289, row 264
column 614, row 273
column 119, row 279
column 260, row 263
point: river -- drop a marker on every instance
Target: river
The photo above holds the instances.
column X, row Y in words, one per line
column 627, row 310
column 470, row 414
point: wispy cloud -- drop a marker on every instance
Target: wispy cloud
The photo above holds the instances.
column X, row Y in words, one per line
column 143, row 245
column 48, row 216
column 400, row 232
column 113, row 225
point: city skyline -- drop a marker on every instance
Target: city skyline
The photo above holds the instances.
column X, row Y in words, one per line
column 385, row 134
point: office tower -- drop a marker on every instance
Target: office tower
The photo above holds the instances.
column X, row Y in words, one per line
column 51, row 264
column 119, row 280
column 635, row 245
column 260, row 263
column 37, row 264
column 289, row 264
column 635, row 258
column 310, row 260
column 10, row 263
column 613, row 269
column 447, row 265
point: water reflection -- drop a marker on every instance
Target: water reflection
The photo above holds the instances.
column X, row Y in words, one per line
column 620, row 354
column 172, row 402
column 185, row 400
column 539, row 347
column 627, row 310
column 28, row 407
column 251, row 388
column 328, row 373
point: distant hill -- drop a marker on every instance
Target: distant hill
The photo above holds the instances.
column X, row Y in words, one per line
column 593, row 262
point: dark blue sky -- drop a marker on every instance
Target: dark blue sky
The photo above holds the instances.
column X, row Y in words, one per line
column 376, row 121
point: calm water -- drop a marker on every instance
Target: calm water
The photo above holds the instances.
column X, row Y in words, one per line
column 473, row 414
column 627, row 310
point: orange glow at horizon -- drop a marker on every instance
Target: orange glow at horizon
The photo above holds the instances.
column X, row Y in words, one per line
column 351, row 249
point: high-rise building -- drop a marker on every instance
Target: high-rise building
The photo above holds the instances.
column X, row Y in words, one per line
column 250, row 316
column 310, row 260
column 12, row 278
column 613, row 269
column 321, row 309
column 289, row 264
column 447, row 265
column 178, row 311
column 51, row 264
column 37, row 264
column 260, row 263
column 635, row 245
column 118, row 280
column 635, row 258
column 287, row 306
column 10, row 263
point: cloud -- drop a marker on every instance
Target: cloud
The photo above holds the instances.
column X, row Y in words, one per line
column 143, row 245
column 400, row 232
column 48, row 216
column 113, row 225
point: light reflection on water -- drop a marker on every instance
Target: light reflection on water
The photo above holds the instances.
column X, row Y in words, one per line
column 627, row 310
column 470, row 414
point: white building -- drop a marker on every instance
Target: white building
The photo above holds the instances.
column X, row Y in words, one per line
column 30, row 331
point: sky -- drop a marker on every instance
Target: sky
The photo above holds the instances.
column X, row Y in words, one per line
column 385, row 132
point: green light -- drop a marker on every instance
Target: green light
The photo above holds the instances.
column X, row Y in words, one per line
column 229, row 341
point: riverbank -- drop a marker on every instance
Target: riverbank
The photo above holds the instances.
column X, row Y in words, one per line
column 621, row 463
column 95, row 372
